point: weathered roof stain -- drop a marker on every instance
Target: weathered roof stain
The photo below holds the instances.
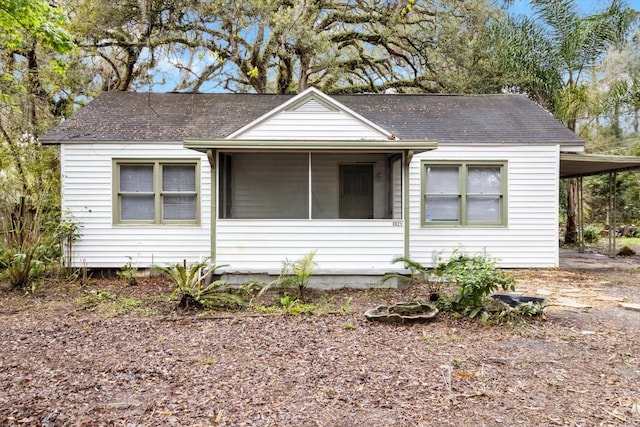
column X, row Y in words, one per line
column 130, row 116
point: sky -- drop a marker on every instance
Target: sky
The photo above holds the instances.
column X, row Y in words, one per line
column 586, row 6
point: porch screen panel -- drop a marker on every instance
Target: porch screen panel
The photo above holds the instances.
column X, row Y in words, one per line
column 269, row 185
column 136, row 193
column 329, row 192
column 324, row 185
column 396, row 188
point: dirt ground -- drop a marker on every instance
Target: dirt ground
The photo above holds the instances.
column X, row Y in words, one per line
column 108, row 354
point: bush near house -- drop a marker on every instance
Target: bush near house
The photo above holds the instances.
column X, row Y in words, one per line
column 193, row 289
column 474, row 279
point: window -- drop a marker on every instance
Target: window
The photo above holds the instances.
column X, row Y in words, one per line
column 156, row 192
column 468, row 193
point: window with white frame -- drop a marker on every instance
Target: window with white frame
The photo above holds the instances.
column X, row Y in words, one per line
column 464, row 193
column 156, row 192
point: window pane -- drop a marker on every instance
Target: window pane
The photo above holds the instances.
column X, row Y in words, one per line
column 442, row 208
column 442, row 180
column 178, row 178
column 179, row 207
column 483, row 180
column 136, row 178
column 137, row 207
column 483, row 209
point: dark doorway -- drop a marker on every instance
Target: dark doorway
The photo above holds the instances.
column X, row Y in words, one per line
column 356, row 191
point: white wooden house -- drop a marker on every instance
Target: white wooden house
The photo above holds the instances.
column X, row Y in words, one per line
column 249, row 180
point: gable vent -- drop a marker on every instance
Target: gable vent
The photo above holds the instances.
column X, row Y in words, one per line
column 312, row 106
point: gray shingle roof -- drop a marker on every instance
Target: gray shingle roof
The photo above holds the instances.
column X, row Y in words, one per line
column 128, row 116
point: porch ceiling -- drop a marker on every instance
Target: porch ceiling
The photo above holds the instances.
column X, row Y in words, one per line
column 417, row 146
column 576, row 165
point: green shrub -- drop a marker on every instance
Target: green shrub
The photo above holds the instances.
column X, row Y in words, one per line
column 474, row 278
column 193, row 290
column 590, row 235
column 22, row 270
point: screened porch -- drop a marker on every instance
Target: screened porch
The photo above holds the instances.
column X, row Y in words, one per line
column 309, row 185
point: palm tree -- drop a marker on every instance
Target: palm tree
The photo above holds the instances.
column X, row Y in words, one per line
column 550, row 57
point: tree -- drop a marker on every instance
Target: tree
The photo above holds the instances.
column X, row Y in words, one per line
column 36, row 19
column 551, row 58
column 620, row 86
column 30, row 30
column 285, row 46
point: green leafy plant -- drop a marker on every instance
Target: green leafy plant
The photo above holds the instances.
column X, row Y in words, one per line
column 193, row 289
column 29, row 211
column 475, row 277
column 345, row 308
column 22, row 270
column 67, row 232
column 129, row 273
column 420, row 274
column 504, row 313
column 590, row 235
column 295, row 275
column 108, row 301
column 292, row 305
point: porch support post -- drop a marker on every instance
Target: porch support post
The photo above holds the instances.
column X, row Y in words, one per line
column 408, row 156
column 211, row 156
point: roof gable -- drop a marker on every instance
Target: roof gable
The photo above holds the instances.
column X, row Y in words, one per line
column 311, row 115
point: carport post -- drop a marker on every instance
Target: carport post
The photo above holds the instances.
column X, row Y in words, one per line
column 580, row 217
column 613, row 178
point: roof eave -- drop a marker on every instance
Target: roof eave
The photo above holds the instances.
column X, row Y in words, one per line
column 417, row 146
column 580, row 165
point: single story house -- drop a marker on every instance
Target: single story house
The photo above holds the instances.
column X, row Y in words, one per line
column 250, row 179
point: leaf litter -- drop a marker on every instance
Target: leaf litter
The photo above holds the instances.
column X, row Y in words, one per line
column 64, row 361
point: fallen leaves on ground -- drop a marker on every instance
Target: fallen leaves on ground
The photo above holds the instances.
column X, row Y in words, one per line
column 66, row 362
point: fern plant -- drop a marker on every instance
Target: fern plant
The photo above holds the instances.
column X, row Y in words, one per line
column 193, row 289
column 419, row 273
column 295, row 275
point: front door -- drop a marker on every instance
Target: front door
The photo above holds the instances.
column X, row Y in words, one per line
column 356, row 191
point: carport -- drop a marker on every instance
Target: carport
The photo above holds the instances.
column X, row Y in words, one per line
column 580, row 165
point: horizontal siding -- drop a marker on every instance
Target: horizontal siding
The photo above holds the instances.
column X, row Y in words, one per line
column 312, row 125
column 87, row 199
column 261, row 246
column 529, row 240
column 531, row 237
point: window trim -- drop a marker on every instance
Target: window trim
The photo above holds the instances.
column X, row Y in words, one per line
column 463, row 167
column 157, row 190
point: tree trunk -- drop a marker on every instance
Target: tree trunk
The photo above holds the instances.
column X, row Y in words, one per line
column 571, row 232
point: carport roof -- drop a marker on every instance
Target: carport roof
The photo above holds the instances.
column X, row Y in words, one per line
column 576, row 165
